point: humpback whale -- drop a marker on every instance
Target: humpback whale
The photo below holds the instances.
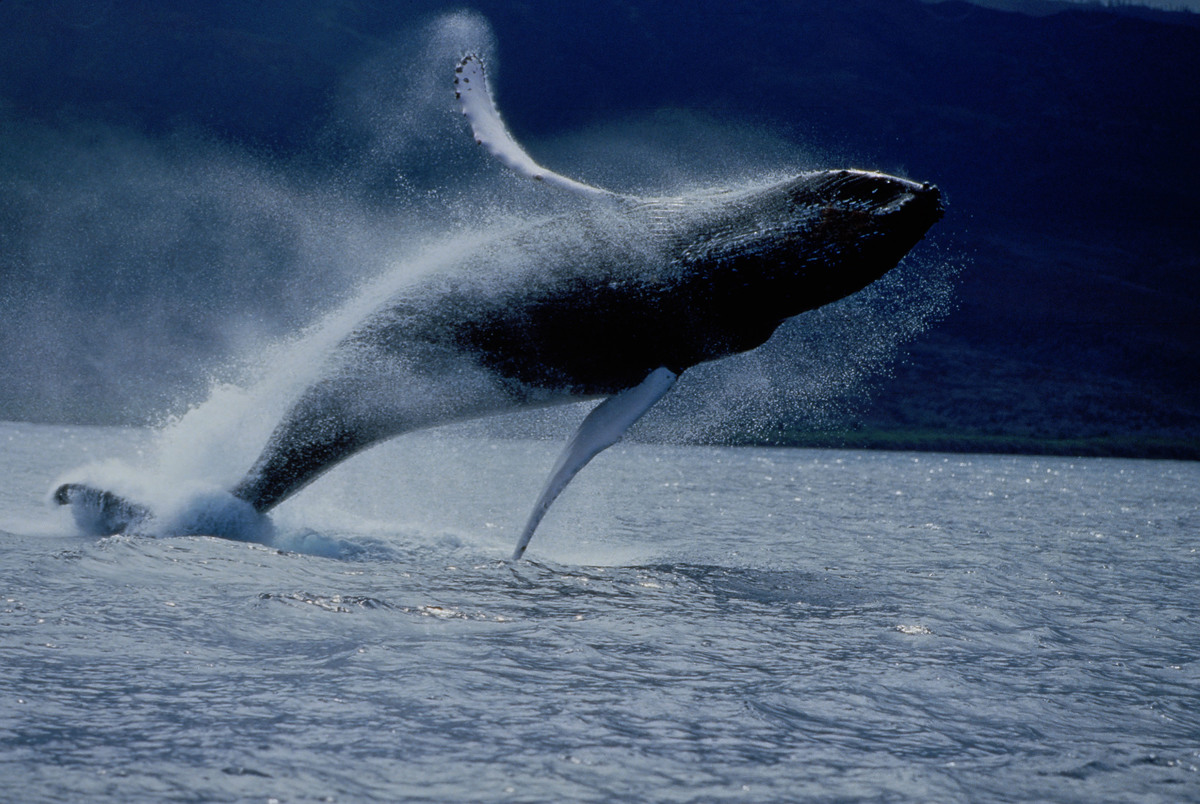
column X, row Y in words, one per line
column 611, row 301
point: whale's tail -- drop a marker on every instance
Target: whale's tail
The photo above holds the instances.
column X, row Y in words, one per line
column 101, row 512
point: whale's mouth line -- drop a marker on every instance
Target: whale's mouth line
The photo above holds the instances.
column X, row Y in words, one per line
column 915, row 206
column 909, row 199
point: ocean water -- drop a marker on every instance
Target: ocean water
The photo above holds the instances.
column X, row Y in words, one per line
column 693, row 624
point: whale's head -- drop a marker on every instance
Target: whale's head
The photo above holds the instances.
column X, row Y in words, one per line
column 759, row 256
column 822, row 235
column 872, row 218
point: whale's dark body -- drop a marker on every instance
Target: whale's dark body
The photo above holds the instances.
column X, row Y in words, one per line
column 614, row 299
column 651, row 284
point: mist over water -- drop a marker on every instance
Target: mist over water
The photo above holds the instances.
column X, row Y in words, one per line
column 143, row 266
column 158, row 273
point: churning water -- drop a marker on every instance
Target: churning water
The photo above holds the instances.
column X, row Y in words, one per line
column 696, row 624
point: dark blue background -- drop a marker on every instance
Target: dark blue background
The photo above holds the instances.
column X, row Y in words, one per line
column 1066, row 145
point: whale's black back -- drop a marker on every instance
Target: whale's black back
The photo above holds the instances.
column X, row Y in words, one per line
column 598, row 317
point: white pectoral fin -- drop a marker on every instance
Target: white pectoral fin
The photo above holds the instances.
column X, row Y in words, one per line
column 471, row 89
column 602, row 428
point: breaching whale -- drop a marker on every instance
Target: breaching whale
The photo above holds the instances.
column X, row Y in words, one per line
column 613, row 301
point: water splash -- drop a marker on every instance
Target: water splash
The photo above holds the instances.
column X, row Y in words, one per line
column 818, row 369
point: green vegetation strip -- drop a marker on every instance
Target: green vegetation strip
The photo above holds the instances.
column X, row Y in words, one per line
column 921, row 440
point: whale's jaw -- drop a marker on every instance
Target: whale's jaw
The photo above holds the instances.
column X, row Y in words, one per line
column 746, row 262
column 867, row 223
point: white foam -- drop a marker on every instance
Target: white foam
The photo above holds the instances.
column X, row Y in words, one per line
column 212, row 512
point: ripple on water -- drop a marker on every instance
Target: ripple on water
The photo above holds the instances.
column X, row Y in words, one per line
column 943, row 645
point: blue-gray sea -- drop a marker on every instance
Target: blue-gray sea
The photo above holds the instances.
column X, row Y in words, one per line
column 693, row 624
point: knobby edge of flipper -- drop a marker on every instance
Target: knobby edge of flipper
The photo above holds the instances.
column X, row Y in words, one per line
column 472, row 91
column 602, row 428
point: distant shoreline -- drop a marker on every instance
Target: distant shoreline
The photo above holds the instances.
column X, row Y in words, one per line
column 920, row 440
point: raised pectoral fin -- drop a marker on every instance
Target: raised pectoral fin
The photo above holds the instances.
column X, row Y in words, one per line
column 602, row 428
column 471, row 89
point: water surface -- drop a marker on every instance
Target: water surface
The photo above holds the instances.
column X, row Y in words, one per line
column 695, row 624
